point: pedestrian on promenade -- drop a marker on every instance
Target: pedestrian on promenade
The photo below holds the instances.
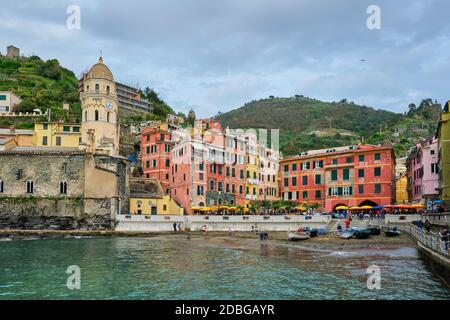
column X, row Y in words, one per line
column 175, row 226
column 427, row 225
column 179, row 227
column 445, row 237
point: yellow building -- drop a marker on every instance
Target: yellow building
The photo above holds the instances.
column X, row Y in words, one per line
column 57, row 134
column 154, row 205
column 252, row 169
column 401, row 193
column 443, row 134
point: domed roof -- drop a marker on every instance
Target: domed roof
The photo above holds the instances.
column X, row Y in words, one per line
column 100, row 70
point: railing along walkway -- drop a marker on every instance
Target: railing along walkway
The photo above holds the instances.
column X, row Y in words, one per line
column 431, row 240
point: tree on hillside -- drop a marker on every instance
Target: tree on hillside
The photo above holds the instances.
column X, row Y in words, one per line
column 160, row 107
column 191, row 118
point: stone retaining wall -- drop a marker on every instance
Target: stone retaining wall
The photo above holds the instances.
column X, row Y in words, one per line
column 27, row 213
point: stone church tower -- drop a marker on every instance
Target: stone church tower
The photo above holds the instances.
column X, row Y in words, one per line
column 99, row 126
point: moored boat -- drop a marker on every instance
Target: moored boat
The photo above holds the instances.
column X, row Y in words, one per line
column 375, row 231
column 363, row 233
column 392, row 232
column 298, row 235
column 348, row 234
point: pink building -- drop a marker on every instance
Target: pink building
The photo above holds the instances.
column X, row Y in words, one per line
column 423, row 172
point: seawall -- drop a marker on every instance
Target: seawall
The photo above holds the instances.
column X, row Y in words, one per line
column 156, row 223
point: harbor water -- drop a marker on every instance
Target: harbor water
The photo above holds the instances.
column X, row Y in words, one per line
column 172, row 267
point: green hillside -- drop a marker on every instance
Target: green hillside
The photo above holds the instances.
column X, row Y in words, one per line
column 46, row 85
column 41, row 84
column 416, row 125
column 307, row 123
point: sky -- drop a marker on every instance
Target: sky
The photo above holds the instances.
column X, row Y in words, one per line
column 216, row 55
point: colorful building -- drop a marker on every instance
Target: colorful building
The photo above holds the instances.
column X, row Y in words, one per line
column 443, row 135
column 22, row 137
column 209, row 165
column 156, row 154
column 422, row 171
column 401, row 181
column 9, row 102
column 269, row 166
column 351, row 176
column 57, row 134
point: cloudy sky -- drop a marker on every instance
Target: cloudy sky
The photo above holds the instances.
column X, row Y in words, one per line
column 215, row 55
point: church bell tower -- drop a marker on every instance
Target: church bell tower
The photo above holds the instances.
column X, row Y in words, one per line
column 99, row 126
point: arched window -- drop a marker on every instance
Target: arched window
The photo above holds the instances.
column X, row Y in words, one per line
column 87, row 88
column 63, row 187
column 96, row 115
column 97, row 88
column 107, row 117
column 30, row 186
column 85, row 116
column 107, row 89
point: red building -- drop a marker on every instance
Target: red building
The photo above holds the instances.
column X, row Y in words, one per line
column 156, row 155
column 351, row 176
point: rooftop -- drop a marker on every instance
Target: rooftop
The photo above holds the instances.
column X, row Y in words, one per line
column 335, row 150
column 60, row 151
column 8, row 131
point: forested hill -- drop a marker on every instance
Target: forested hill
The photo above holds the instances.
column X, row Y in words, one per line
column 307, row 123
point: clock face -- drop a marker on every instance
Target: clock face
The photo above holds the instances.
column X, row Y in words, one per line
column 109, row 105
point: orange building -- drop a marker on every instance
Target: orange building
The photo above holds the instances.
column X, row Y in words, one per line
column 351, row 176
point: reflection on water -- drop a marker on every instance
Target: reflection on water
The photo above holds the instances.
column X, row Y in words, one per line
column 227, row 268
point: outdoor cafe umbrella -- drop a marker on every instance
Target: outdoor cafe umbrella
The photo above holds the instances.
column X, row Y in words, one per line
column 355, row 208
column 341, row 208
column 366, row 207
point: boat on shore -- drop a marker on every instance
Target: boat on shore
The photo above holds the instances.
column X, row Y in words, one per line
column 363, row 233
column 392, row 232
column 375, row 231
column 298, row 235
column 348, row 234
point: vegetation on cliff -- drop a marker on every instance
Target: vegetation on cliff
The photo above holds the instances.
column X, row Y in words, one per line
column 307, row 123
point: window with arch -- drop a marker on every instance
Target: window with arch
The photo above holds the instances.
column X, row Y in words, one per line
column 1, row 186
column 107, row 116
column 87, row 88
column 30, row 186
column 97, row 87
column 96, row 115
column 85, row 116
column 63, row 187
column 107, row 89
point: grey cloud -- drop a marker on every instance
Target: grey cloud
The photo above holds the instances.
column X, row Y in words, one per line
column 217, row 55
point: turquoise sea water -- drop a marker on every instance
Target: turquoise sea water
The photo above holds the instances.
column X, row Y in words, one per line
column 215, row 268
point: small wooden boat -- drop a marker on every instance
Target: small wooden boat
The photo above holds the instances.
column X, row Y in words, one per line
column 392, row 232
column 298, row 235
